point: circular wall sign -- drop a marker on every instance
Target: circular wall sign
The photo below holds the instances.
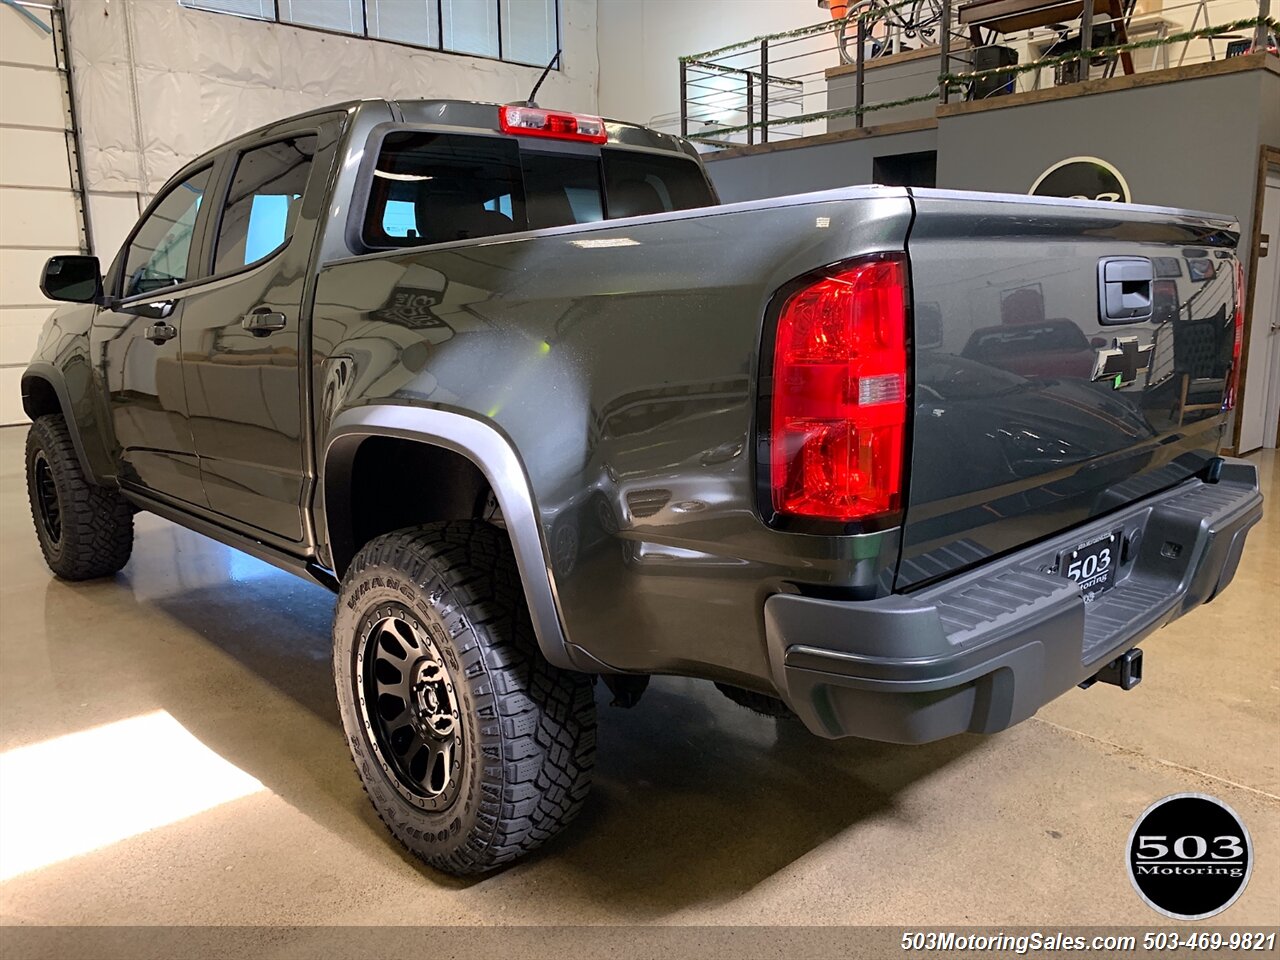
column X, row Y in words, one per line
column 1082, row 178
column 1189, row 856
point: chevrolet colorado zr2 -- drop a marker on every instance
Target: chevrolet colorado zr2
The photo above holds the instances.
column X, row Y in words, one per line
column 541, row 412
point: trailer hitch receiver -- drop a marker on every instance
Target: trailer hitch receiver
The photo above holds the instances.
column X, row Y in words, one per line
column 1125, row 671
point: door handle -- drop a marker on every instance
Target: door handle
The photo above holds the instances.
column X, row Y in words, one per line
column 262, row 323
column 160, row 332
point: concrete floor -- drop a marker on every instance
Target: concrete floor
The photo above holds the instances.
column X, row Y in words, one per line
column 702, row 813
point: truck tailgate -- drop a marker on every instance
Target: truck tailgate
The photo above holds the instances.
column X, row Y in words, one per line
column 1045, row 393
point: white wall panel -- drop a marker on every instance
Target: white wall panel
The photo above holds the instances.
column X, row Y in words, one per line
column 19, row 331
column 30, row 96
column 23, row 42
column 20, row 276
column 34, row 158
column 111, row 216
column 38, row 218
column 11, row 395
column 33, row 153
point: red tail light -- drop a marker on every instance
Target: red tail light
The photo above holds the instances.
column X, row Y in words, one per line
column 1233, row 381
column 533, row 122
column 839, row 408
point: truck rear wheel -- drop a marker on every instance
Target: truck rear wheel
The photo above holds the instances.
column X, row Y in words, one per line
column 472, row 748
column 85, row 531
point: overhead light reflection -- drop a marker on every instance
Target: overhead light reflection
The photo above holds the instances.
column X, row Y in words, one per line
column 410, row 177
column 606, row 242
column 68, row 796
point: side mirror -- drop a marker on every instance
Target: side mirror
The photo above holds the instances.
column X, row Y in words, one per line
column 77, row 279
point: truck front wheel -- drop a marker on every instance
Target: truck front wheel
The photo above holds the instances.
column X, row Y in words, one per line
column 85, row 531
column 473, row 749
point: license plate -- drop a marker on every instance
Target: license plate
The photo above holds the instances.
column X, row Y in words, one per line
column 1092, row 564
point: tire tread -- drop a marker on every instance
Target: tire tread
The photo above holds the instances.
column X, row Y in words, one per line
column 544, row 717
column 97, row 522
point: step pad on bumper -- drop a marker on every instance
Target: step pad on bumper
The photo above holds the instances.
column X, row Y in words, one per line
column 1151, row 589
column 988, row 647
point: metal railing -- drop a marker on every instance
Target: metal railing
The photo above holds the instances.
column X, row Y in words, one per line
column 828, row 76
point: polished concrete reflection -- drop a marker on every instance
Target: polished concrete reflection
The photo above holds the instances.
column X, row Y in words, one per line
column 702, row 813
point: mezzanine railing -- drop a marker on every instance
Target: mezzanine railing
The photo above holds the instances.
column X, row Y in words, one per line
column 900, row 55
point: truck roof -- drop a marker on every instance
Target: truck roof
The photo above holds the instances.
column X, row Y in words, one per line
column 477, row 115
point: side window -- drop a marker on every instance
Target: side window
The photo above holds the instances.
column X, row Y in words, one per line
column 158, row 253
column 435, row 187
column 263, row 203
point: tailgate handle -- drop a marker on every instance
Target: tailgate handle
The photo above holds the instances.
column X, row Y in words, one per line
column 1124, row 289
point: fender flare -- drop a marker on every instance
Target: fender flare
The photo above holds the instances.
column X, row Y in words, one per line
column 53, row 376
column 491, row 451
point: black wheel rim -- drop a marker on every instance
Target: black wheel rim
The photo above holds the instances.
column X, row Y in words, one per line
column 45, row 493
column 410, row 708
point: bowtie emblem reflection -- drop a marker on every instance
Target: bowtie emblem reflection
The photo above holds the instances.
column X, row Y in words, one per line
column 1121, row 362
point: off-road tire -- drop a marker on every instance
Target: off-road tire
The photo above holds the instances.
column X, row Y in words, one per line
column 527, row 728
column 760, row 703
column 95, row 535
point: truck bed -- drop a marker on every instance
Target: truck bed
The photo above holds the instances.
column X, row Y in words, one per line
column 624, row 361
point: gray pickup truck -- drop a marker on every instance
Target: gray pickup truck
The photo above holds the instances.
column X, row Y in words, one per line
column 900, row 463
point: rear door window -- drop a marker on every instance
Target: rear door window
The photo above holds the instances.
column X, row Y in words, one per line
column 263, row 204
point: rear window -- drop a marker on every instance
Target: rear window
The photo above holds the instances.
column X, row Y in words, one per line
column 642, row 183
column 435, row 188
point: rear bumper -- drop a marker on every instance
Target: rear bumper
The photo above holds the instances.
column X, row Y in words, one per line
column 986, row 649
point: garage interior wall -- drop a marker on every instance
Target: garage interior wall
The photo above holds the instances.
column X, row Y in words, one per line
column 158, row 84
column 641, row 42
column 178, row 81
column 37, row 208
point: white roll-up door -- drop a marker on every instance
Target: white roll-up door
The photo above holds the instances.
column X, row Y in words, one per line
column 38, row 207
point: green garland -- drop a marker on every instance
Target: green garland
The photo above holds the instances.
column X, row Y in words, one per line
column 747, row 44
column 830, row 25
column 952, row 79
column 717, row 68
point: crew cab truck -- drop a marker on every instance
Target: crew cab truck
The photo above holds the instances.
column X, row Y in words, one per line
column 901, row 463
